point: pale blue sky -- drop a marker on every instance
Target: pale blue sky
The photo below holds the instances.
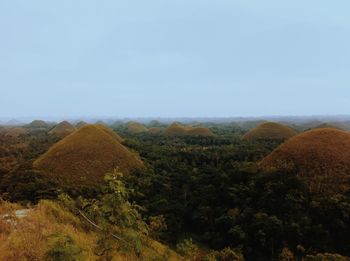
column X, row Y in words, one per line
column 167, row 58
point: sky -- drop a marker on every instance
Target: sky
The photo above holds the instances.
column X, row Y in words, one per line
column 179, row 58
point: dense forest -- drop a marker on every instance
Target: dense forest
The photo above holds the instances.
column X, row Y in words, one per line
column 205, row 197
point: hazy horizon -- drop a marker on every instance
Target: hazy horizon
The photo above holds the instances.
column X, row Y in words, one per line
column 146, row 59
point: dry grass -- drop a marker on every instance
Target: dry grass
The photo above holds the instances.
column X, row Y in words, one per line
column 28, row 238
column 200, row 131
column 154, row 130
column 38, row 124
column 270, row 131
column 175, row 129
column 80, row 124
column 62, row 129
column 85, row 156
column 15, row 132
column 320, row 156
column 109, row 132
column 135, row 127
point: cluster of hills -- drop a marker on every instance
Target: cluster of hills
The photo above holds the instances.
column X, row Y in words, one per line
column 177, row 129
column 78, row 155
column 86, row 152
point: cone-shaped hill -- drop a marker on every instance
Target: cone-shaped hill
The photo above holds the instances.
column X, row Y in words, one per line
column 62, row 129
column 320, row 156
column 135, row 127
column 200, row 131
column 85, row 156
column 270, row 131
column 154, row 130
column 38, row 124
column 327, row 125
column 175, row 129
column 110, row 132
column 80, row 124
column 15, row 132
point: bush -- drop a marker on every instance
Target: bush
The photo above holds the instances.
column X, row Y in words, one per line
column 63, row 247
column 187, row 248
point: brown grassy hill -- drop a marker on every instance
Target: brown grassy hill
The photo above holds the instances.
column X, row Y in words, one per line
column 62, row 129
column 110, row 132
column 15, row 132
column 85, row 156
column 154, row 130
column 38, row 124
column 80, row 124
column 327, row 125
column 175, row 129
column 200, row 131
column 320, row 156
column 135, row 127
column 270, row 131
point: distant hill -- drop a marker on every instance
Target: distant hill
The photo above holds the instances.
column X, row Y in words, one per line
column 110, row 132
column 175, row 129
column 320, row 156
column 270, row 131
column 62, row 129
column 154, row 130
column 85, row 156
column 135, row 127
column 200, row 131
column 80, row 124
column 15, row 132
column 327, row 125
column 38, row 124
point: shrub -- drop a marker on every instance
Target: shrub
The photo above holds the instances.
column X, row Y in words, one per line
column 187, row 248
column 63, row 247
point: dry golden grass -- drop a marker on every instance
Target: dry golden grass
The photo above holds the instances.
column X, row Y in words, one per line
column 327, row 125
column 200, row 131
column 135, row 127
column 62, row 129
column 38, row 124
column 270, row 131
column 320, row 156
column 175, row 129
column 80, row 124
column 110, row 132
column 27, row 238
column 154, row 130
column 15, row 132
column 85, row 156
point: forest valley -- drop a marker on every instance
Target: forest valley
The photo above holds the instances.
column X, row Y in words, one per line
column 198, row 198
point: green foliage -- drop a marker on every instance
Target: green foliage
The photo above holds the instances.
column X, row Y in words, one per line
column 187, row 248
column 157, row 225
column 63, row 248
column 121, row 224
column 211, row 189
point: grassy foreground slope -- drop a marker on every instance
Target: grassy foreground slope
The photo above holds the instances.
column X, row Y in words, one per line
column 51, row 231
